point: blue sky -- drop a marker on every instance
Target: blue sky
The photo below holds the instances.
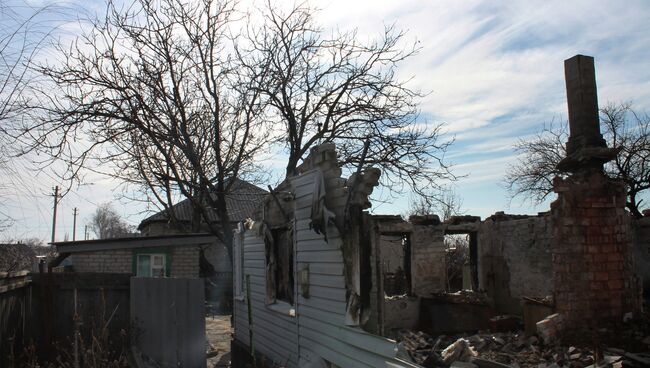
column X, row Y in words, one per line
column 495, row 72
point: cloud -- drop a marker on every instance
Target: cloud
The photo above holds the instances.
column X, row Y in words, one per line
column 494, row 70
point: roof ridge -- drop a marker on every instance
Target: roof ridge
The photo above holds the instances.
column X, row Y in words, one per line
column 249, row 196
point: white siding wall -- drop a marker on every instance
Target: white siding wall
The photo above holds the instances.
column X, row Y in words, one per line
column 274, row 333
column 320, row 332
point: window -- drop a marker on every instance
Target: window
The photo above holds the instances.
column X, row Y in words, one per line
column 396, row 263
column 279, row 260
column 151, row 265
column 461, row 260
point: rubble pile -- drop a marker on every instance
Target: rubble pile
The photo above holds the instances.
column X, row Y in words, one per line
column 462, row 297
column 508, row 349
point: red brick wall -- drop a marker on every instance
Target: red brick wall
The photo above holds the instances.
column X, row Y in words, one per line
column 591, row 248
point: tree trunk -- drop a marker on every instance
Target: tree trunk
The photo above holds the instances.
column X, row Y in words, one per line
column 631, row 205
column 224, row 219
column 292, row 164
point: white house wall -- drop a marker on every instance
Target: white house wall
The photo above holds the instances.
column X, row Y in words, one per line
column 274, row 334
column 318, row 333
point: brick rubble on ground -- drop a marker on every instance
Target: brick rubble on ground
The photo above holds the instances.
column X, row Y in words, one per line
column 512, row 349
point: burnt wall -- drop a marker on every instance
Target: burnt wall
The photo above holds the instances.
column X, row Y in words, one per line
column 592, row 264
column 428, row 268
column 515, row 260
column 641, row 251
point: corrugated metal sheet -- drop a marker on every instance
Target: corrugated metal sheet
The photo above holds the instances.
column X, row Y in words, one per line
column 169, row 319
column 318, row 332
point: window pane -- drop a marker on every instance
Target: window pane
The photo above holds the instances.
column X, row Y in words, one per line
column 144, row 265
column 157, row 260
column 157, row 271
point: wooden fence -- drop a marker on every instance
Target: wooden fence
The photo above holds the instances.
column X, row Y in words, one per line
column 15, row 302
column 168, row 321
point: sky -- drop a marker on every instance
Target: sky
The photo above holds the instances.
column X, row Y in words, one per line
column 494, row 73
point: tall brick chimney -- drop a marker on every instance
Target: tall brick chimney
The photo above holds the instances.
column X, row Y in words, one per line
column 592, row 267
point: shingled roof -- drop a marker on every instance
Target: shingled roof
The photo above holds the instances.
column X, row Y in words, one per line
column 241, row 202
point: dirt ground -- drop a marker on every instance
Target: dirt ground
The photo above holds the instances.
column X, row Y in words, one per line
column 218, row 332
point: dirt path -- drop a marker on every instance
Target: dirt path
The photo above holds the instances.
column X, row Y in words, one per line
column 218, row 332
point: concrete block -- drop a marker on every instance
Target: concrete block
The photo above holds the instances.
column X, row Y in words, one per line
column 549, row 328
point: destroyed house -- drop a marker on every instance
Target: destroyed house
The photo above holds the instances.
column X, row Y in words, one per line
column 318, row 282
column 302, row 274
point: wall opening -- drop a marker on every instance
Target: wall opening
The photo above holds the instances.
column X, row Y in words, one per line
column 396, row 263
column 279, row 265
column 461, row 259
column 473, row 261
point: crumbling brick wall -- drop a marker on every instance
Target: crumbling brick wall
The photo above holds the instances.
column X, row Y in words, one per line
column 515, row 259
column 641, row 252
column 428, row 268
column 591, row 251
column 423, row 266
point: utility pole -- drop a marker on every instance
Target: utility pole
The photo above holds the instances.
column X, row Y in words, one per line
column 75, row 212
column 85, row 232
column 56, row 203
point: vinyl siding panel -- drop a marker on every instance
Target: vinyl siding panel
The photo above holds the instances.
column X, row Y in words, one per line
column 274, row 334
column 321, row 317
column 318, row 331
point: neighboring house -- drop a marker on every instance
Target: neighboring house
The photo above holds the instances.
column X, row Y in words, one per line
column 152, row 256
column 241, row 202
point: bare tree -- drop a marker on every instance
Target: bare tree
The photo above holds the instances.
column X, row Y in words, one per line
column 20, row 39
column 150, row 95
column 20, row 254
column 532, row 175
column 25, row 30
column 629, row 131
column 107, row 223
column 17, row 48
column 623, row 128
column 447, row 204
column 336, row 88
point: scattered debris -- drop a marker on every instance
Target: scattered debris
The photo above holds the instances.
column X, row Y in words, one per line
column 549, row 327
column 459, row 364
column 504, row 323
column 460, row 350
column 462, row 296
column 511, row 349
column 535, row 310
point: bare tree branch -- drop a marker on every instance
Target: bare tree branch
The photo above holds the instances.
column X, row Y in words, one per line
column 106, row 223
column 24, row 30
column 623, row 128
column 337, row 89
column 151, row 96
